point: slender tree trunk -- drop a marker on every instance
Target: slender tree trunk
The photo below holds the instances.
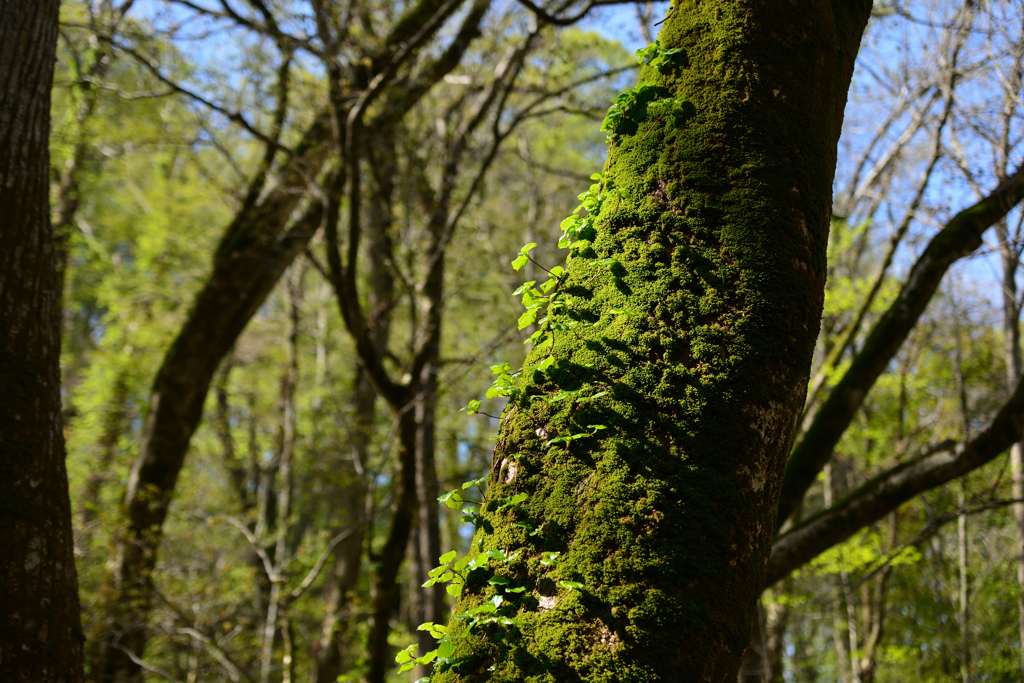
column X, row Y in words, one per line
column 708, row 320
column 803, row 651
column 114, row 419
column 840, row 632
column 332, row 657
column 384, row 598
column 41, row 636
column 963, row 583
column 1012, row 355
column 778, row 619
column 278, row 607
column 875, row 614
column 963, row 587
column 433, row 599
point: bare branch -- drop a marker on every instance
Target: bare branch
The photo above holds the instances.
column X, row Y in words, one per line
column 961, row 236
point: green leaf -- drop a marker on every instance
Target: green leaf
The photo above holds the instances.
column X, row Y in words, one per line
column 519, row 262
column 496, row 391
column 447, row 557
column 452, row 499
column 523, row 287
column 472, row 407
column 528, row 318
column 406, row 655
column 549, row 558
column 526, row 249
column 572, row 584
column 513, row 500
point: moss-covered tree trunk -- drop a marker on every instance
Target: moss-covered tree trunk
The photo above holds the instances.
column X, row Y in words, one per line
column 701, row 333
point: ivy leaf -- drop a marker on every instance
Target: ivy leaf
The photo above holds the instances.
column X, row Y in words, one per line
column 528, row 318
column 513, row 500
column 406, row 655
column 522, row 288
column 549, row 558
column 452, row 499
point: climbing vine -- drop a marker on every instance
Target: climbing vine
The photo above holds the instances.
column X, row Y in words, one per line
column 541, row 303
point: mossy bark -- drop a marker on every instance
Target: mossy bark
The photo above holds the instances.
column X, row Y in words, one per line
column 702, row 335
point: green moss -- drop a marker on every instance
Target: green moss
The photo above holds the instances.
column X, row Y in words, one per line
column 719, row 233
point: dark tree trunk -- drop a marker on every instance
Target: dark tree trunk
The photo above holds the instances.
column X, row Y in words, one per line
column 40, row 636
column 433, row 601
column 385, row 587
column 708, row 321
column 251, row 257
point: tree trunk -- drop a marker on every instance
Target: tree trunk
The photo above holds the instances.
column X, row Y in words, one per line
column 434, row 604
column 1012, row 355
column 251, row 257
column 41, row 637
column 708, row 319
column 384, row 597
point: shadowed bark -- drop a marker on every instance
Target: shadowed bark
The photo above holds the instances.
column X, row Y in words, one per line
column 40, row 632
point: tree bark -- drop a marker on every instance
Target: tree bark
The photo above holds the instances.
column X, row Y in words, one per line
column 41, row 636
column 384, row 596
column 718, row 236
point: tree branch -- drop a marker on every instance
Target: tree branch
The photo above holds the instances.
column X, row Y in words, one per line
column 886, row 492
column 961, row 235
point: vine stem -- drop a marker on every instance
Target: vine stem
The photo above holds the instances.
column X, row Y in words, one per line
column 653, row 126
